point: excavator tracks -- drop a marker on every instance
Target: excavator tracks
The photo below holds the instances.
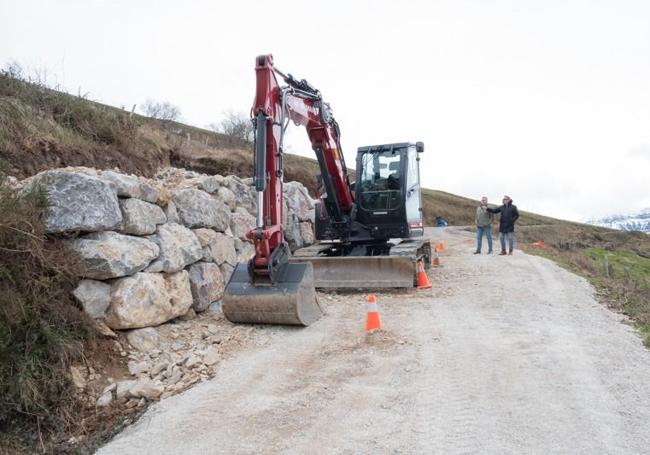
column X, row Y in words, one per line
column 396, row 270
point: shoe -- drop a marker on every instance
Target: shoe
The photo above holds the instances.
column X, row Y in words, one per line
column 503, row 253
column 477, row 252
column 489, row 252
column 510, row 253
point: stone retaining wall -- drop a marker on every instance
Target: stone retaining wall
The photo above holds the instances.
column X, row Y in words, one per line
column 152, row 250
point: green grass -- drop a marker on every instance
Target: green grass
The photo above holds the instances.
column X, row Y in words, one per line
column 624, row 265
column 625, row 277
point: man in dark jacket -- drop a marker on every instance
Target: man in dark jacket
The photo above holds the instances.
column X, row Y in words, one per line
column 509, row 215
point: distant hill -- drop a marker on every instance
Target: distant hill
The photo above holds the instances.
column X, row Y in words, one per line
column 635, row 222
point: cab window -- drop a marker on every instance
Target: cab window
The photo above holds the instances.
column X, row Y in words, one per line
column 379, row 188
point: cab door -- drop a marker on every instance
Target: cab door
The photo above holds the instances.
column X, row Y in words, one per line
column 413, row 195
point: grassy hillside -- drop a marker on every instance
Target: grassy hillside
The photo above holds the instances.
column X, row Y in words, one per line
column 42, row 128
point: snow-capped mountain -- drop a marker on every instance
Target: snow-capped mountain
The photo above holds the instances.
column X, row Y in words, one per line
column 637, row 222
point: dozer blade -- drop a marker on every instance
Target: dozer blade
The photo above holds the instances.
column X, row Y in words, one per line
column 291, row 301
column 360, row 271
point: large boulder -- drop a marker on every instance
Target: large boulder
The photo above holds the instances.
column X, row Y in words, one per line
column 292, row 233
column 217, row 247
column 206, row 283
column 172, row 213
column 148, row 299
column 197, row 208
column 77, row 202
column 241, row 222
column 226, row 271
column 210, row 183
column 178, row 285
column 246, row 196
column 94, row 296
column 307, row 233
column 299, row 203
column 226, row 196
column 139, row 217
column 105, row 255
column 130, row 186
column 245, row 250
column 179, row 247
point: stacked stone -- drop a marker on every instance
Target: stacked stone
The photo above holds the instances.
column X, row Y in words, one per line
column 153, row 250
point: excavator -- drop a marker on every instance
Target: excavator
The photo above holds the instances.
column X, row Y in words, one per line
column 370, row 231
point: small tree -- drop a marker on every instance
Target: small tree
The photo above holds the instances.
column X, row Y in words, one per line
column 236, row 125
column 162, row 110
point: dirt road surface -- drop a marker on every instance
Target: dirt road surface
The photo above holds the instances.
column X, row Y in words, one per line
column 503, row 355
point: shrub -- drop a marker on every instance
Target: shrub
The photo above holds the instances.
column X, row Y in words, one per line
column 161, row 110
column 42, row 330
column 235, row 125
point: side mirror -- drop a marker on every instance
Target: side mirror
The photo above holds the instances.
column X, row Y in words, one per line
column 419, row 147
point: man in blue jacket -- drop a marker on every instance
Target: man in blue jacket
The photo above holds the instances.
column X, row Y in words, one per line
column 509, row 215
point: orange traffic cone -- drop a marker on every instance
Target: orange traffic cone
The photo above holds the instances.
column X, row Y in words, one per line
column 423, row 279
column 441, row 246
column 436, row 259
column 372, row 319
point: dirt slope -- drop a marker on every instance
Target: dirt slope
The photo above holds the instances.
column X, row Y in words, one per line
column 503, row 355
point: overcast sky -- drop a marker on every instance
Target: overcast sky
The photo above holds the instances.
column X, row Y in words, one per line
column 547, row 101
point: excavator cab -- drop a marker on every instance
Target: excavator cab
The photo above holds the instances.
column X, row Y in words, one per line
column 387, row 196
column 388, row 190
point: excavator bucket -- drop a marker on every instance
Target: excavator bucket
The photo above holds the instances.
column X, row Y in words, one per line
column 290, row 301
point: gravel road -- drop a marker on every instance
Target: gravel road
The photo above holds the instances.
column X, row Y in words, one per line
column 503, row 355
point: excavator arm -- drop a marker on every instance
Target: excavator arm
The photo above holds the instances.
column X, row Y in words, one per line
column 270, row 289
column 274, row 107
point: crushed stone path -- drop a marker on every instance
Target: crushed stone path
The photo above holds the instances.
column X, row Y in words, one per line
column 503, row 355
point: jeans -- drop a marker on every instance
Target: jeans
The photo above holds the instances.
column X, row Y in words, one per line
column 511, row 240
column 480, row 230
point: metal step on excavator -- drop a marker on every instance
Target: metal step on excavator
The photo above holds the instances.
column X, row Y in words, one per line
column 370, row 232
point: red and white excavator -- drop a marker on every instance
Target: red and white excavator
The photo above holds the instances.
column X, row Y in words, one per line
column 370, row 232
